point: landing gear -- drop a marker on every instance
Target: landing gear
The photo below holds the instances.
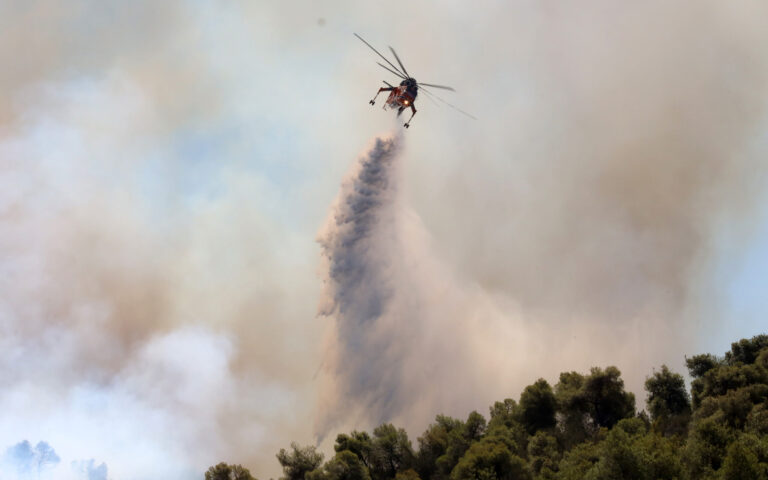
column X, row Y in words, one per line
column 373, row 100
column 408, row 123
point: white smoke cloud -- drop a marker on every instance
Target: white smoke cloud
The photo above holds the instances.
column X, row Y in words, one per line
column 137, row 326
column 163, row 170
column 410, row 338
column 400, row 319
column 90, row 470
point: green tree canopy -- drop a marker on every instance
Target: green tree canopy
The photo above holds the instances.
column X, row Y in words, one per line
column 392, row 452
column 745, row 351
column 583, row 428
column 299, row 461
column 698, row 365
column 586, row 403
column 747, row 459
column 666, row 394
column 504, row 413
column 223, row 471
column 605, row 395
column 490, row 459
column 543, row 455
column 444, row 443
column 359, row 443
column 668, row 401
column 345, row 465
column 538, row 406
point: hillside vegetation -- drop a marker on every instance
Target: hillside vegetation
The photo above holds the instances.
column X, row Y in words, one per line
column 584, row 427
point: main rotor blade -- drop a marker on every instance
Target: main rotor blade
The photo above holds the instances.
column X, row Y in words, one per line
column 377, row 52
column 398, row 74
column 452, row 106
column 431, row 98
column 437, row 86
column 398, row 60
column 388, row 84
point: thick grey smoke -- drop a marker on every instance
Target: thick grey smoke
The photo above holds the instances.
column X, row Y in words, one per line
column 407, row 339
column 359, row 249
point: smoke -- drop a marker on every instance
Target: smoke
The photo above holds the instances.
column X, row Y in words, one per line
column 359, row 245
column 147, row 291
column 633, row 141
column 407, row 338
column 594, row 237
column 25, row 462
column 152, row 280
column 164, row 169
column 89, row 470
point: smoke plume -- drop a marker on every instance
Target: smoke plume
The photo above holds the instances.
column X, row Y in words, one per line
column 400, row 320
column 359, row 245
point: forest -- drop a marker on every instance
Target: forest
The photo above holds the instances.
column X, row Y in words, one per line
column 586, row 426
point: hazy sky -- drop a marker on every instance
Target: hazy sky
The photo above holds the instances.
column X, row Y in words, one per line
column 167, row 169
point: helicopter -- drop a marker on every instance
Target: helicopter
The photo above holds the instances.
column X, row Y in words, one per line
column 404, row 95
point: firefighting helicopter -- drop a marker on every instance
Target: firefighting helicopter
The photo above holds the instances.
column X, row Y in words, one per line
column 404, row 95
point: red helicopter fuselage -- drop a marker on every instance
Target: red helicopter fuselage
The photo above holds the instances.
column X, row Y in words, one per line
column 400, row 98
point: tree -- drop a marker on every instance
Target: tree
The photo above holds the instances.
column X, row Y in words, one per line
column 757, row 420
column 300, row 461
column 668, row 401
column 409, row 474
column 432, row 460
column 537, row 407
column 745, row 351
column 490, row 459
column 729, row 398
column 222, row 471
column 605, row 395
column 698, row 365
column 762, row 358
column 345, row 465
column 666, row 394
column 474, row 427
column 719, row 380
column 747, row 459
column 706, row 447
column 587, row 403
column 444, row 443
column 661, row 454
column 628, row 452
column 584, row 428
column 359, row 443
column 573, row 410
column 618, row 459
column 578, row 461
column 504, row 413
column 392, row 451
column 543, row 454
